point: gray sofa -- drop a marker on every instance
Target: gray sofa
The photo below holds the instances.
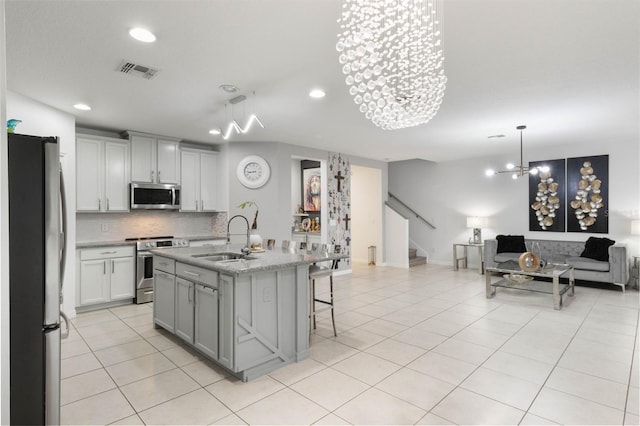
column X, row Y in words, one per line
column 615, row 271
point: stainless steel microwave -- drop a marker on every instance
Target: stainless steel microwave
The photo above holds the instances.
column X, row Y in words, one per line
column 158, row 196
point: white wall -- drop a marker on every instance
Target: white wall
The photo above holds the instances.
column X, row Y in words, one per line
column 366, row 199
column 397, row 241
column 275, row 197
column 42, row 120
column 446, row 193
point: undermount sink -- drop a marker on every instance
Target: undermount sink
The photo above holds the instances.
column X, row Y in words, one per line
column 219, row 257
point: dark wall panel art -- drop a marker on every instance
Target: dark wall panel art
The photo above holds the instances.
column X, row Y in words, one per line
column 547, row 201
column 588, row 194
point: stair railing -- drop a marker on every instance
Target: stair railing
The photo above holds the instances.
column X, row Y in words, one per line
column 417, row 215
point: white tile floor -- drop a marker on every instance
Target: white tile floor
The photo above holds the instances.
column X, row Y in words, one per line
column 418, row 346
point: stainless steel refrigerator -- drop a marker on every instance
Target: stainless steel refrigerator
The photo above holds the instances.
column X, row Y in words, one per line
column 36, row 267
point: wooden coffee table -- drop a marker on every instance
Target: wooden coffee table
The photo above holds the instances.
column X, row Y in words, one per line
column 522, row 280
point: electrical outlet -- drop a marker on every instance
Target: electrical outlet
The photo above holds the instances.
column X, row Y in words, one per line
column 105, row 227
column 267, row 294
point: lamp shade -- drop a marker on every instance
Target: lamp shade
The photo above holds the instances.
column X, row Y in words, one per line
column 476, row 222
column 635, row 227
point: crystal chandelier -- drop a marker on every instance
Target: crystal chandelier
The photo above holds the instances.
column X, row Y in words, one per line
column 391, row 53
column 520, row 170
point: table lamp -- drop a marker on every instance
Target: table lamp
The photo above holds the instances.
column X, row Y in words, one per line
column 635, row 227
column 476, row 223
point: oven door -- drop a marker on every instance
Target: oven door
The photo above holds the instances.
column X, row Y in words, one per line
column 144, row 277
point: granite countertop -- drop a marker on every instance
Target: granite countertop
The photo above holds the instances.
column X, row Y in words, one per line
column 261, row 261
column 92, row 244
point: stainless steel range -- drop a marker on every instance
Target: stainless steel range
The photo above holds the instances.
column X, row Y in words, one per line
column 144, row 265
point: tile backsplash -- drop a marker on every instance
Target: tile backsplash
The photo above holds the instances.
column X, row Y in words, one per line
column 92, row 227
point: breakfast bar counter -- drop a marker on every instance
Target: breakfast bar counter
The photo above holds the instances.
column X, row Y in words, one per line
column 249, row 314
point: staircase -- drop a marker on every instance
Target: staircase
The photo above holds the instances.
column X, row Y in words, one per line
column 415, row 260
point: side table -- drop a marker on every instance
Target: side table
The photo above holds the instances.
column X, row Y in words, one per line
column 465, row 253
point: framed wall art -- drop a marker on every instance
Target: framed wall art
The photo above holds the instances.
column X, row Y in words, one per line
column 311, row 189
column 547, row 202
column 588, row 194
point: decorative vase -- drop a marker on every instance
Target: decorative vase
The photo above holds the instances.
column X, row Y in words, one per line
column 255, row 239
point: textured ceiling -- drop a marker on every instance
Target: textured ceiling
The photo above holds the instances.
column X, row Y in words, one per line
column 568, row 69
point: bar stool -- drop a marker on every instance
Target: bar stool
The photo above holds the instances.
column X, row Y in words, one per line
column 318, row 272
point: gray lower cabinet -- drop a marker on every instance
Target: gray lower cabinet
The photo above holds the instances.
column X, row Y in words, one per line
column 206, row 320
column 225, row 318
column 249, row 323
column 164, row 288
column 185, row 301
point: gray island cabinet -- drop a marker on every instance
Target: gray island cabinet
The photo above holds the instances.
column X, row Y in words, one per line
column 250, row 316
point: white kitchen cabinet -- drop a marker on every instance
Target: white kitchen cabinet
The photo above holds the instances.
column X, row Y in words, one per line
column 102, row 168
column 199, row 182
column 154, row 159
column 107, row 274
column 122, row 279
column 93, row 282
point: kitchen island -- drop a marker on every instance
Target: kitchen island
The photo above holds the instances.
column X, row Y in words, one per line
column 249, row 314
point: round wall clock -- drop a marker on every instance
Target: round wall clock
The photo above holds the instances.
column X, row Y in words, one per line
column 253, row 171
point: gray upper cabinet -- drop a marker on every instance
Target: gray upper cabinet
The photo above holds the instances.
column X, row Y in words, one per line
column 154, row 159
column 199, row 181
column 102, row 174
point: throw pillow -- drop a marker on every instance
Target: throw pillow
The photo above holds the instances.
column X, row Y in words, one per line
column 597, row 248
column 511, row 244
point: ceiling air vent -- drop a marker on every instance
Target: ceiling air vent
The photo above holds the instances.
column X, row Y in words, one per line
column 130, row 68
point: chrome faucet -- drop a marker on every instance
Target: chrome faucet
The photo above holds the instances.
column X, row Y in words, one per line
column 247, row 248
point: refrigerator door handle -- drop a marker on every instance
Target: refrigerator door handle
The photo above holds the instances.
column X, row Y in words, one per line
column 65, row 318
column 52, row 234
column 63, row 233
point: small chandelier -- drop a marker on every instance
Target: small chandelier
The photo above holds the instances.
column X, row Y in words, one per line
column 521, row 170
column 233, row 125
column 391, row 53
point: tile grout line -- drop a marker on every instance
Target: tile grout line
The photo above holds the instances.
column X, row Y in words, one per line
column 635, row 345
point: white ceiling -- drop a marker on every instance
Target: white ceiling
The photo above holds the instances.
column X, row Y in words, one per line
column 568, row 69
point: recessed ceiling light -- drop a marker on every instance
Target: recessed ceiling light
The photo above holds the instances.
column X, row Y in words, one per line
column 142, row 35
column 317, row 93
column 82, row 107
column 215, row 132
column 229, row 88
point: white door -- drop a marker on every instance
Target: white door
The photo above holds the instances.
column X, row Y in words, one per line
column 143, row 159
column 122, row 278
column 88, row 175
column 93, row 281
column 208, row 188
column 190, row 192
column 116, row 179
column 168, row 162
